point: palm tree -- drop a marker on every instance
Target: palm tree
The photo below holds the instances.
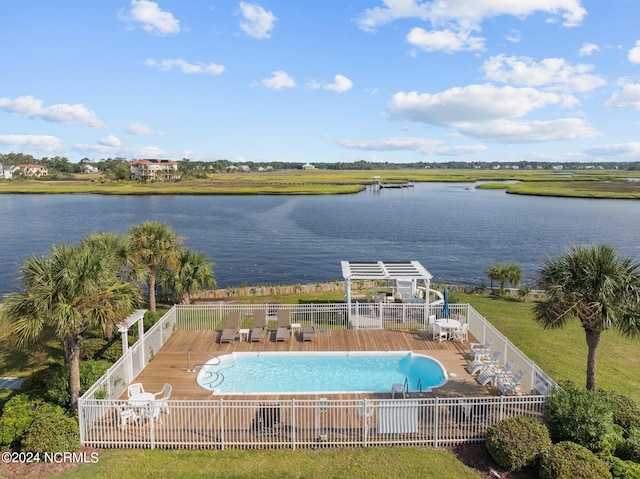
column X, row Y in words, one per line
column 595, row 286
column 153, row 245
column 493, row 273
column 503, row 274
column 193, row 272
column 71, row 290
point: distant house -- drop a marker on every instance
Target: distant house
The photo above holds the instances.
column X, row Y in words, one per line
column 7, row 171
column 308, row 166
column 33, row 170
column 89, row 168
column 152, row 169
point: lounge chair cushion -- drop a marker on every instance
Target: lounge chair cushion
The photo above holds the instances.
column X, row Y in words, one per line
column 309, row 333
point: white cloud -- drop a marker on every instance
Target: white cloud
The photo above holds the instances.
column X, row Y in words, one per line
column 444, row 40
column 340, row 84
column 628, row 97
column 186, row 67
column 634, row 53
column 468, row 11
column 514, row 36
column 509, row 131
column 61, row 113
column 554, row 73
column 424, row 146
column 620, row 152
column 153, row 19
column 488, row 112
column 278, row 81
column 588, row 49
column 258, row 22
column 139, row 129
column 473, row 103
column 111, row 140
column 46, row 143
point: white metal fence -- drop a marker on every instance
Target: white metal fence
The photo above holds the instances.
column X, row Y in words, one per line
column 219, row 423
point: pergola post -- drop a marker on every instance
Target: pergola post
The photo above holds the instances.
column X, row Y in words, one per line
column 123, row 327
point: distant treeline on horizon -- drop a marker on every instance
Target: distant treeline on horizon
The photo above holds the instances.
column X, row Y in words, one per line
column 62, row 164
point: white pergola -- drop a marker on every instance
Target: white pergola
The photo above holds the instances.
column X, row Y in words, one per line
column 404, row 271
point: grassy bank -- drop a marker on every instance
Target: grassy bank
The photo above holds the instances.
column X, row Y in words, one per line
column 603, row 184
column 373, row 463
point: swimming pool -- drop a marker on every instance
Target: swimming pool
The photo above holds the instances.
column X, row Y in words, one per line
column 305, row 372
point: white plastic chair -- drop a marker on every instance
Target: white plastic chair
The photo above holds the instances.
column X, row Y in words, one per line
column 151, row 411
column 462, row 333
column 439, row 333
column 124, row 413
column 163, row 400
column 134, row 388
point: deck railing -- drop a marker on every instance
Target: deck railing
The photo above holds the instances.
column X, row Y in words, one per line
column 219, row 423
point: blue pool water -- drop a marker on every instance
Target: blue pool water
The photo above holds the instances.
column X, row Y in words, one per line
column 295, row 372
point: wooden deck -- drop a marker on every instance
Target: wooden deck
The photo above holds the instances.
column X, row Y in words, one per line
column 169, row 365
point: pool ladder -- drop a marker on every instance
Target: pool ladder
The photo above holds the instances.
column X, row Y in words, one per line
column 193, row 369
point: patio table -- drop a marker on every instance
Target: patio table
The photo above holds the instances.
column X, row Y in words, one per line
column 449, row 324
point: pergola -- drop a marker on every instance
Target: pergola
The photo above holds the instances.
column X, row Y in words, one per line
column 404, row 272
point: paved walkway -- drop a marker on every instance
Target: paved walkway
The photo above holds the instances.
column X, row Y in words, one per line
column 10, row 383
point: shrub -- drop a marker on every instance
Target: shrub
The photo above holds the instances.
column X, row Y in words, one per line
column 626, row 411
column 517, row 442
column 113, row 352
column 52, row 383
column 52, row 433
column 630, row 449
column 568, row 460
column 623, row 469
column 93, row 348
column 576, row 414
column 18, row 414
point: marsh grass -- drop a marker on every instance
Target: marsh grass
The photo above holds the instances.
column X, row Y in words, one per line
column 610, row 184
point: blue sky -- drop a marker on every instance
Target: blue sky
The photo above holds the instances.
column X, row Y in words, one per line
column 322, row 81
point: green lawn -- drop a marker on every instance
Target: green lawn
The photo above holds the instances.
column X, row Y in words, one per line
column 562, row 353
column 357, row 463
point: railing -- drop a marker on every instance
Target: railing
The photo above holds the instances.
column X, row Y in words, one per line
column 219, row 423
column 294, row 424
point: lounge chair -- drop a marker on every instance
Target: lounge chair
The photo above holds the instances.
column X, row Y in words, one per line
column 510, row 385
column 309, row 333
column 134, row 388
column 478, row 350
column 259, row 325
column 163, row 400
column 482, row 364
column 284, row 325
column 233, row 326
column 491, row 374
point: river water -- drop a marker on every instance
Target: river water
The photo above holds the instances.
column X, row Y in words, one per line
column 455, row 230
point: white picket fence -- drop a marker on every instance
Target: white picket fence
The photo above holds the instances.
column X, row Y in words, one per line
column 219, row 423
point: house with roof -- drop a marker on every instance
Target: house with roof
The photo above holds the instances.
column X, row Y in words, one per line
column 154, row 170
column 33, row 170
column 7, row 171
